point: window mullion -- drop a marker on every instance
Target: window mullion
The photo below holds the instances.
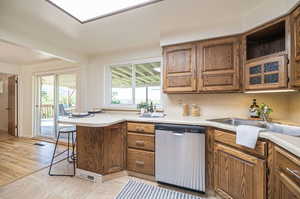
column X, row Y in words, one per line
column 133, row 82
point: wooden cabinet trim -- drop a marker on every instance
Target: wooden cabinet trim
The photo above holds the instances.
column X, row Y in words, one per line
column 140, row 161
column 230, row 139
column 140, row 127
column 190, row 73
column 256, row 174
column 141, row 141
column 214, row 79
column 283, row 75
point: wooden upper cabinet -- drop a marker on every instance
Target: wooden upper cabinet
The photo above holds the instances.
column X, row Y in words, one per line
column 219, row 64
column 266, row 53
column 180, row 68
column 267, row 73
column 295, row 55
column 238, row 175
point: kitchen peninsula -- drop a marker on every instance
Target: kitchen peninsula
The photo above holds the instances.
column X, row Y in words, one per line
column 115, row 123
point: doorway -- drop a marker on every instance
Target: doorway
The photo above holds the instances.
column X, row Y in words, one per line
column 56, row 97
column 8, row 105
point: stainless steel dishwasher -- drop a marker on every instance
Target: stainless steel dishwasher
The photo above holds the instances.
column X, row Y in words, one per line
column 180, row 155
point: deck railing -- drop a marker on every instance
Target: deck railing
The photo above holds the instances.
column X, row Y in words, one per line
column 47, row 111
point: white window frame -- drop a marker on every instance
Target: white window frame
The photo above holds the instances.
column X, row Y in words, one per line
column 107, row 92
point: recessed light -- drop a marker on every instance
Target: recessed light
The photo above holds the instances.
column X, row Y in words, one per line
column 89, row 10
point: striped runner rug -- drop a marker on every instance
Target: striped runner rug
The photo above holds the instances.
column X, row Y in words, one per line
column 138, row 190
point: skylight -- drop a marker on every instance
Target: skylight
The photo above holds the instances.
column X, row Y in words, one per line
column 88, row 10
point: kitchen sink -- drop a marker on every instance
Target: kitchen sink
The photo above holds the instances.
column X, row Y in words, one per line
column 269, row 126
column 237, row 122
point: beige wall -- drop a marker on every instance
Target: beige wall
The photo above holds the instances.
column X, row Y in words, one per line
column 294, row 108
column 233, row 105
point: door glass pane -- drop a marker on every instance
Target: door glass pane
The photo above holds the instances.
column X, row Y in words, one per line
column 121, row 81
column 255, row 80
column 255, row 70
column 272, row 78
column 47, row 126
column 66, row 94
column 272, row 66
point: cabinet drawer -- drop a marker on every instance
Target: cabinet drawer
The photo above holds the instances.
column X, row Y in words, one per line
column 230, row 139
column 140, row 141
column 287, row 163
column 140, row 161
column 140, row 127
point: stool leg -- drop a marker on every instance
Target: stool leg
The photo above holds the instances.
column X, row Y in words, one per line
column 53, row 154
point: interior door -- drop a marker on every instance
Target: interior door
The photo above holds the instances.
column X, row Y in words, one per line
column 12, row 105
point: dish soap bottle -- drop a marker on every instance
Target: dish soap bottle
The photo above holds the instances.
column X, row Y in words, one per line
column 253, row 110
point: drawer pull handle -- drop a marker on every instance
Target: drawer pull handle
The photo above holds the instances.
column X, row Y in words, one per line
column 294, row 172
column 140, row 129
column 139, row 163
column 139, row 143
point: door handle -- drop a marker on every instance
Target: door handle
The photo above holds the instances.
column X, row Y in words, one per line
column 178, row 134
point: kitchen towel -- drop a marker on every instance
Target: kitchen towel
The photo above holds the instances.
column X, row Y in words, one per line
column 247, row 135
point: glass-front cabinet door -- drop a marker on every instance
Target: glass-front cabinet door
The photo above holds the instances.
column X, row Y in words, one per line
column 270, row 73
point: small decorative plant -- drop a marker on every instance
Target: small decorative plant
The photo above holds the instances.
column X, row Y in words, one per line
column 264, row 111
column 143, row 105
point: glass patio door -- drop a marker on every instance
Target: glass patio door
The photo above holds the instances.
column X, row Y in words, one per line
column 46, row 107
column 57, row 97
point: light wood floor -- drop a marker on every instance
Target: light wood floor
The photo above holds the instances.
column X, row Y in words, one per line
column 19, row 157
column 20, row 171
column 41, row 186
column 4, row 135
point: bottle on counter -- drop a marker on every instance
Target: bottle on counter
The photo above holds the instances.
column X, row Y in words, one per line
column 254, row 110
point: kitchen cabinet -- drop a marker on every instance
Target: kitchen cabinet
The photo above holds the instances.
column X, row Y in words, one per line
column 101, row 150
column 266, row 55
column 268, row 73
column 114, row 148
column 89, row 149
column 179, row 68
column 238, row 175
column 219, row 64
column 295, row 55
column 286, row 175
column 141, row 148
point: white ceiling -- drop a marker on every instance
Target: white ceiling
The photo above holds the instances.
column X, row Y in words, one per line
column 38, row 21
column 13, row 54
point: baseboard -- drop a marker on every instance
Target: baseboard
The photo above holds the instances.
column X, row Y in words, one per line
column 4, row 130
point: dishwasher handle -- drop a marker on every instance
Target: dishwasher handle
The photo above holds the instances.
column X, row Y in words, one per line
column 180, row 128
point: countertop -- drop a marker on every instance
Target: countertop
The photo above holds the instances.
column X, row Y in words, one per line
column 290, row 143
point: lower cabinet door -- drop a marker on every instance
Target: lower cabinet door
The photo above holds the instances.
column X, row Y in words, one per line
column 285, row 187
column 238, row 175
column 114, row 148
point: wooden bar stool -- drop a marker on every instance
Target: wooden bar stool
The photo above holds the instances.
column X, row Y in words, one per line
column 71, row 158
